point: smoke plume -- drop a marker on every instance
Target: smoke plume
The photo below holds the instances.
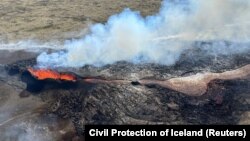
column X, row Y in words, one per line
column 160, row 38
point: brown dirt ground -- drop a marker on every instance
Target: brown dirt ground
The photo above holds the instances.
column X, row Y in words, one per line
column 61, row 19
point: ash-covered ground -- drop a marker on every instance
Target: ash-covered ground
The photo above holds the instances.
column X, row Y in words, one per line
column 116, row 93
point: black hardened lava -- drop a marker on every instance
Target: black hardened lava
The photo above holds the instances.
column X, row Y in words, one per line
column 132, row 103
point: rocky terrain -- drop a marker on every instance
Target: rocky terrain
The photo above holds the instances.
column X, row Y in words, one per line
column 115, row 94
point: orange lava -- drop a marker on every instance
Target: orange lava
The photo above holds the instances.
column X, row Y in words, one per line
column 67, row 77
column 42, row 74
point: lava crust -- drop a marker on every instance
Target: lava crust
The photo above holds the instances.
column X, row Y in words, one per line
column 125, row 93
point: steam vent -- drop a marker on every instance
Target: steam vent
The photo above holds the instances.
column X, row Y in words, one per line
column 66, row 64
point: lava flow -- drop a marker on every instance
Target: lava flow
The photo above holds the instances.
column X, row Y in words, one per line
column 42, row 74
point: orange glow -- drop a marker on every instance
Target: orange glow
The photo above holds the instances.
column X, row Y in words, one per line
column 67, row 77
column 42, row 74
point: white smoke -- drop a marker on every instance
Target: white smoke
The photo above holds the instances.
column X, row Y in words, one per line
column 160, row 38
column 30, row 45
column 26, row 132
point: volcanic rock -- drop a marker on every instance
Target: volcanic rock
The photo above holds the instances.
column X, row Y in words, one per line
column 114, row 94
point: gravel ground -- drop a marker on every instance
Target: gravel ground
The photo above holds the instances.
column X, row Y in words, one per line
column 61, row 19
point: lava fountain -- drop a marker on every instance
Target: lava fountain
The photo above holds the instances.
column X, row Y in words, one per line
column 43, row 74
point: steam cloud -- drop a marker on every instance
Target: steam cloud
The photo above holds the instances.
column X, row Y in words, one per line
column 160, row 38
column 26, row 132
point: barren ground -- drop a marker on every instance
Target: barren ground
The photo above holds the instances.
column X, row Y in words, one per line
column 61, row 19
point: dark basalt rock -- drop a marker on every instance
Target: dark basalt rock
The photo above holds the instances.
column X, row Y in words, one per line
column 128, row 104
column 132, row 103
column 135, row 83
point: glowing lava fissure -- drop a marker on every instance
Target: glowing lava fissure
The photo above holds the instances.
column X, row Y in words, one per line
column 43, row 74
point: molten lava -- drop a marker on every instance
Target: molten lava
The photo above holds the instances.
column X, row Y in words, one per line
column 42, row 74
column 67, row 77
